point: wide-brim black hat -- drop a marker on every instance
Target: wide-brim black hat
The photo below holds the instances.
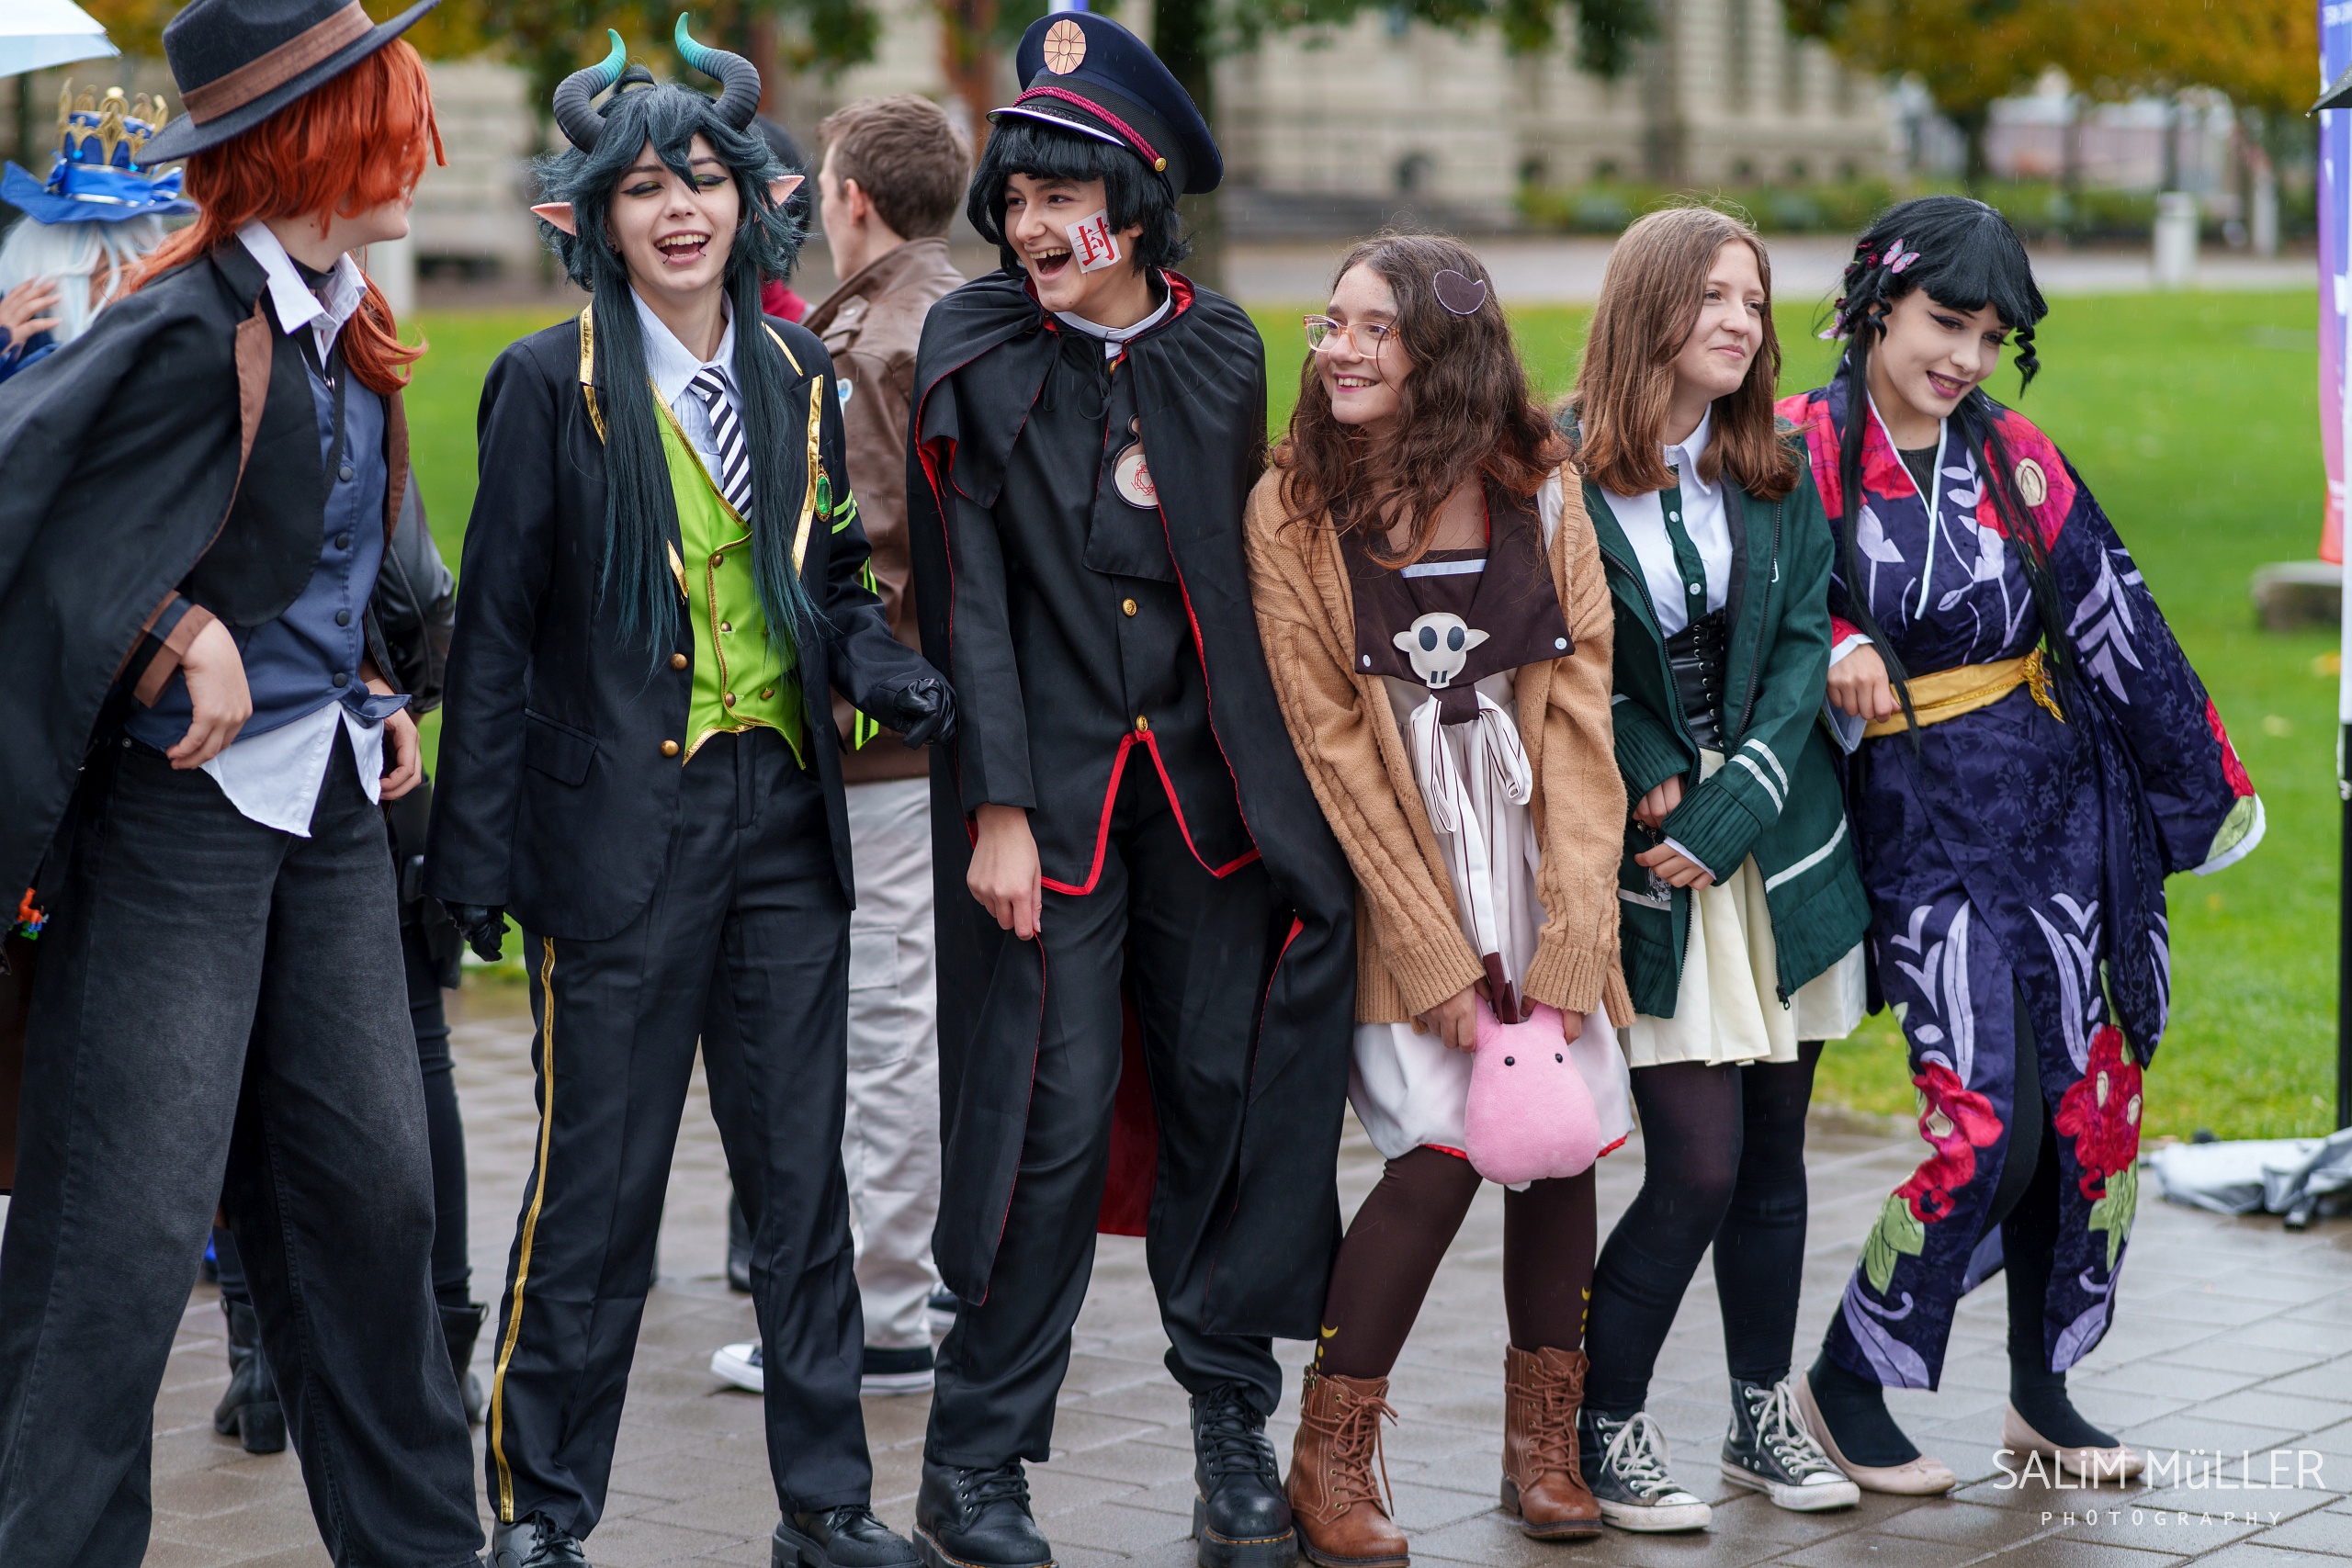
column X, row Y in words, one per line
column 239, row 62
column 1087, row 73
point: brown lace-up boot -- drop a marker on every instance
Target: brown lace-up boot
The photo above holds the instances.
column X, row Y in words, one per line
column 1334, row 1501
column 1541, row 1482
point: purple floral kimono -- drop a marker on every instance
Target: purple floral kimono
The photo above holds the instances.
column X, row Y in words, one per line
column 2015, row 853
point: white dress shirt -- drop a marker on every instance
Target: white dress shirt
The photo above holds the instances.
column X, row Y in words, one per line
column 674, row 368
column 1644, row 519
column 274, row 778
column 1114, row 339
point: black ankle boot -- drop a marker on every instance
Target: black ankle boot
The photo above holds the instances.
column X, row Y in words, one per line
column 533, row 1543
column 978, row 1519
column 249, row 1411
column 461, row 1326
column 1240, row 1518
column 846, row 1537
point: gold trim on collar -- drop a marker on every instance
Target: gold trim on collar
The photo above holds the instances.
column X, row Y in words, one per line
column 588, row 367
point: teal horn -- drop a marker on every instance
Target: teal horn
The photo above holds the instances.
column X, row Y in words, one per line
column 738, row 77
column 575, row 109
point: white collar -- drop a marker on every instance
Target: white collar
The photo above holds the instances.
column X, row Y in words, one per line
column 1112, row 337
column 671, row 363
column 345, row 287
column 1685, row 454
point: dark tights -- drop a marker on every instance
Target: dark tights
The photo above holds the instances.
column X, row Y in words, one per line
column 2025, row 1206
column 451, row 1271
column 1399, row 1237
column 1722, row 1162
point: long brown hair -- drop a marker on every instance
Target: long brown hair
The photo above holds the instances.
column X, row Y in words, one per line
column 1466, row 410
column 354, row 142
column 1650, row 299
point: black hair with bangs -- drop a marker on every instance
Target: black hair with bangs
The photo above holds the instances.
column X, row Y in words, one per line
column 1132, row 194
column 638, row 500
column 1962, row 254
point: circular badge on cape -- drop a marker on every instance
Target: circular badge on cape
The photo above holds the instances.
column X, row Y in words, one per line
column 1134, row 480
column 842, row 389
column 2033, row 485
column 1065, row 47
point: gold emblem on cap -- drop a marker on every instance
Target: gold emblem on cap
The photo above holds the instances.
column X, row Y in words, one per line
column 1160, row 166
column 2033, row 485
column 1065, row 47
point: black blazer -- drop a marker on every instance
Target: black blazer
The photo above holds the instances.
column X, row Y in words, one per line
column 171, row 450
column 553, row 797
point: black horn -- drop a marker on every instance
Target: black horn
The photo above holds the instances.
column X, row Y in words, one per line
column 737, row 75
column 575, row 110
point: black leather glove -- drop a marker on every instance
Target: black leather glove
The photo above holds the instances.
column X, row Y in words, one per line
column 483, row 927
column 922, row 712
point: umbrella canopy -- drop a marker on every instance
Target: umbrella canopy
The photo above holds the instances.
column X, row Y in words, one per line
column 37, row 34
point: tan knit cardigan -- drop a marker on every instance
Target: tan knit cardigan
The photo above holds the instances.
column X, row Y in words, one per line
column 1410, row 953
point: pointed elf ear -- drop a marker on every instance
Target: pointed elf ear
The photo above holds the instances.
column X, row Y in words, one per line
column 780, row 189
column 558, row 213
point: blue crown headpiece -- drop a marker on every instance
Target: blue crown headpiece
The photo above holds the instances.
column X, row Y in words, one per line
column 93, row 178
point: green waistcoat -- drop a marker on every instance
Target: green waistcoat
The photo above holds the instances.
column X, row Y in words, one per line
column 742, row 679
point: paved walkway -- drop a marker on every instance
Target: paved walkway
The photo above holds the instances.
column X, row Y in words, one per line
column 2234, row 1338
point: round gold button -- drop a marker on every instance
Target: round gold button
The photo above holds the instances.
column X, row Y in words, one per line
column 729, row 699
column 677, row 661
column 1128, row 605
column 726, row 626
column 669, row 748
column 718, row 557
column 1143, row 725
column 768, row 694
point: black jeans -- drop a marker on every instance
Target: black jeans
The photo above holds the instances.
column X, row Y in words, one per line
column 452, row 1274
column 744, row 944
column 219, row 1017
column 1193, row 945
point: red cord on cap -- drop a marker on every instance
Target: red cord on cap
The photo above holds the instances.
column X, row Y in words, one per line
column 1158, row 162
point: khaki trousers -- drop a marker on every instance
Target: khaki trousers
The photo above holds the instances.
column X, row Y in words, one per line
column 890, row 1141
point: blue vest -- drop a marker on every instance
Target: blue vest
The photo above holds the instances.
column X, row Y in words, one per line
column 309, row 656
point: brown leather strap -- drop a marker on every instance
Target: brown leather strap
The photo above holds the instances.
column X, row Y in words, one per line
column 226, row 95
column 172, row 655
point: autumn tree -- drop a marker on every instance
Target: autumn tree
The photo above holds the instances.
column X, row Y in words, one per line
column 1968, row 53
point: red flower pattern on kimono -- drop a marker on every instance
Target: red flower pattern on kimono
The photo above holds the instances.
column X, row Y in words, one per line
column 1956, row 1120
column 2101, row 1112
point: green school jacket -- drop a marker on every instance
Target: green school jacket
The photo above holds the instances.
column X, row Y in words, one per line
column 1778, row 796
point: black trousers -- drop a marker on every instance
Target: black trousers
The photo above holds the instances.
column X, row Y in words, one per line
column 1194, row 947
column 429, row 1017
column 744, row 944
column 219, row 1017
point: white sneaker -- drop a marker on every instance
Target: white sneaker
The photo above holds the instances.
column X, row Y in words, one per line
column 739, row 1365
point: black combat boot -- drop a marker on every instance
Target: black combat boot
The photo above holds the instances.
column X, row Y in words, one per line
column 249, row 1411
column 1240, row 1517
column 533, row 1543
column 978, row 1519
column 461, row 1326
column 846, row 1537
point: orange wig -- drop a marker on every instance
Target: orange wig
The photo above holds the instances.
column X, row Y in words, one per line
column 353, row 144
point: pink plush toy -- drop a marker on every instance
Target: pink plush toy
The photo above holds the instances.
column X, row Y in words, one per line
column 1530, row 1116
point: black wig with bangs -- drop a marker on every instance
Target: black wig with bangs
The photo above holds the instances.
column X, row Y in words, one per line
column 639, row 507
column 1965, row 255
column 1132, row 194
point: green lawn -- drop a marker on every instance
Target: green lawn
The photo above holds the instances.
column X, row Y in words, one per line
column 2194, row 419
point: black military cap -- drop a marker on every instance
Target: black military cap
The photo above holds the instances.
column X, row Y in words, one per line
column 1087, row 73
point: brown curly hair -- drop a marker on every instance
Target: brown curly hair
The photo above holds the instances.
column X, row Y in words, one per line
column 1468, row 411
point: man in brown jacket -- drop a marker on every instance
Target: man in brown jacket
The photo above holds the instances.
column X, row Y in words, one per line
column 890, row 183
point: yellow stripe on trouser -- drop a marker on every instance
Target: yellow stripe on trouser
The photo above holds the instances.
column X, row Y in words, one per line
column 530, row 1227
column 1964, row 688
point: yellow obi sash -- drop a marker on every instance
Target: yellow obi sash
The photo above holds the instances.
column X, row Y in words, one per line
column 1948, row 693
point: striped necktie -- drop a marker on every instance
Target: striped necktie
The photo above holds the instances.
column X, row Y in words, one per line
column 734, row 457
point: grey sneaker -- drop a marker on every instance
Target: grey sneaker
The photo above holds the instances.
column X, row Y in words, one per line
column 1625, row 1463
column 1768, row 1449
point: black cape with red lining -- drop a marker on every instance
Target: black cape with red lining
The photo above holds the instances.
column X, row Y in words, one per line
column 985, row 353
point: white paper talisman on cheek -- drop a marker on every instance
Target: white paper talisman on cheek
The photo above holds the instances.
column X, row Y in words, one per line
column 1093, row 244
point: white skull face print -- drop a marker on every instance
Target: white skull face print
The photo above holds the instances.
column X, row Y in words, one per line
column 1438, row 645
